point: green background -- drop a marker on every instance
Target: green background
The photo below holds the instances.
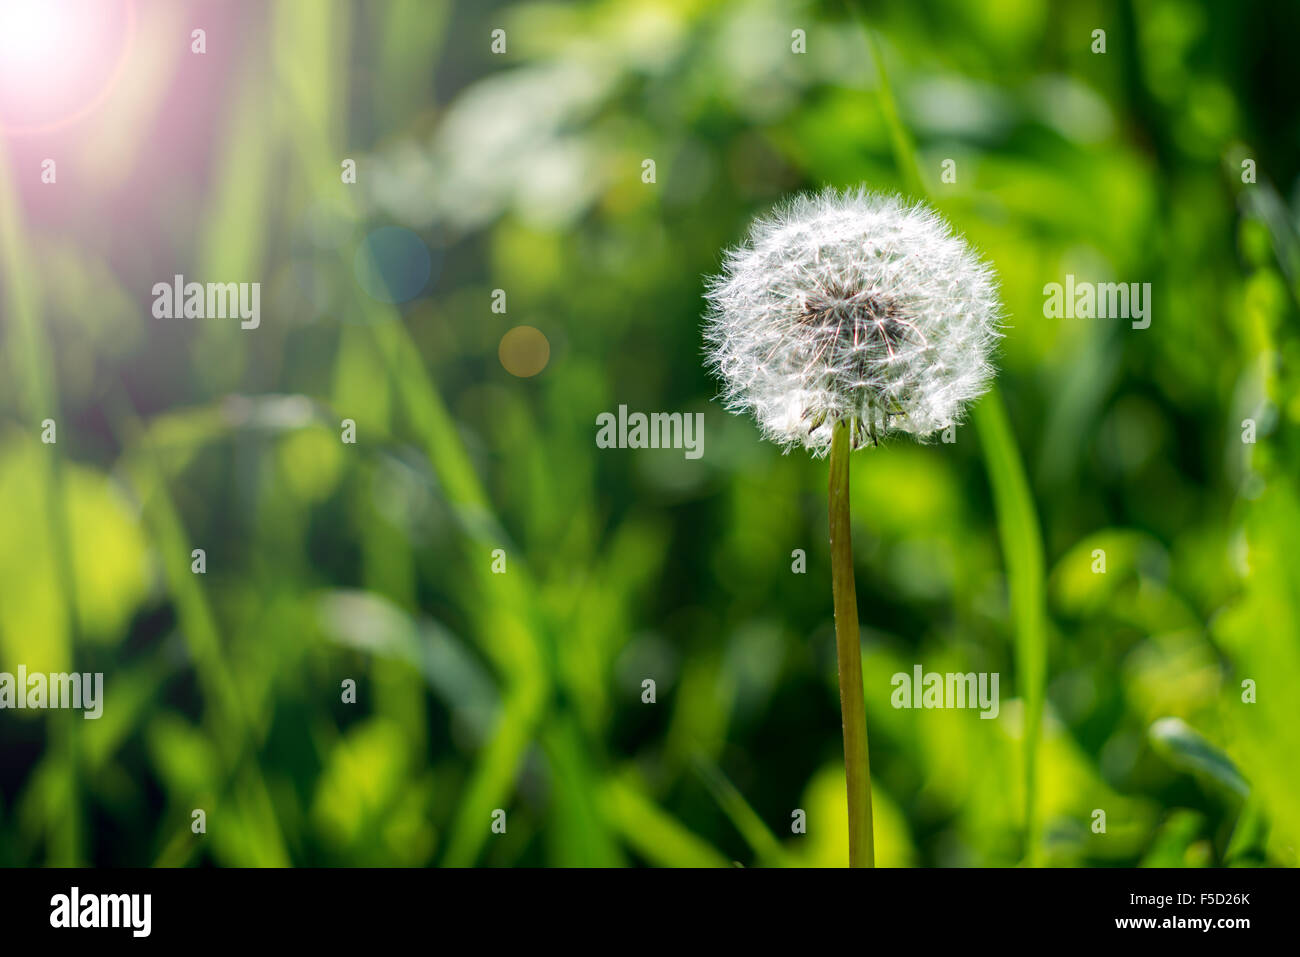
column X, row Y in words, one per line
column 523, row 691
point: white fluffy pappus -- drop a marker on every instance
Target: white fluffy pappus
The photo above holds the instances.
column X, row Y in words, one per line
column 852, row 306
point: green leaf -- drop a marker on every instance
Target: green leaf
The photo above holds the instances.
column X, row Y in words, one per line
column 1188, row 750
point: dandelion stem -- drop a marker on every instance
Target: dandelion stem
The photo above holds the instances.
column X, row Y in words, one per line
column 857, row 769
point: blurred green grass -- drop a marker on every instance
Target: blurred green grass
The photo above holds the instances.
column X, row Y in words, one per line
column 523, row 691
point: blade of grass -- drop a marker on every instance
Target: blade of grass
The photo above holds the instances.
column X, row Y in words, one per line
column 494, row 774
column 1249, row 835
column 144, row 467
column 1188, row 750
column 1018, row 525
column 1022, row 551
column 760, row 839
column 900, row 140
column 34, row 368
column 654, row 833
column 578, row 835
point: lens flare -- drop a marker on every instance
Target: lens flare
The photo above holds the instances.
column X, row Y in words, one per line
column 59, row 59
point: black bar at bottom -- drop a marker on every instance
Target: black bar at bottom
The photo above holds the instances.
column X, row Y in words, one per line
column 334, row 907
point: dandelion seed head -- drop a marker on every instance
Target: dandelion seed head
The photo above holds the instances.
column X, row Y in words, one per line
column 852, row 306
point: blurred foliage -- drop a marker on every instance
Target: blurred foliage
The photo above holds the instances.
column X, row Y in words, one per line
column 522, row 691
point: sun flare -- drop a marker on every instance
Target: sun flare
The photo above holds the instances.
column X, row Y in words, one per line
column 59, row 59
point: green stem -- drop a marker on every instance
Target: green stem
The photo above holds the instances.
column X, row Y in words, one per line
column 848, row 648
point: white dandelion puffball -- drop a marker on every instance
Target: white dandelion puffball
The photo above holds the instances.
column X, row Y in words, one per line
column 855, row 307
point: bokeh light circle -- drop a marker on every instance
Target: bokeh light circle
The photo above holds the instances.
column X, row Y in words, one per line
column 524, row 351
column 393, row 264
